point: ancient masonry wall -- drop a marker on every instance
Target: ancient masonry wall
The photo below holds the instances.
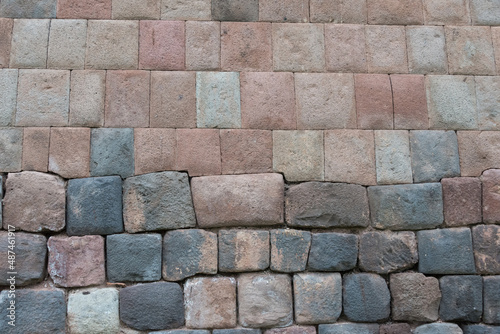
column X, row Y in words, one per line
column 250, row 166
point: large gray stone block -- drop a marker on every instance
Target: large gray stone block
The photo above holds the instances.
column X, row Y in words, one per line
column 33, row 9
column 8, row 87
column 486, row 240
column 11, row 145
column 348, row 328
column 392, row 154
column 289, row 250
column 462, row 298
column 481, row 329
column 491, row 299
column 438, row 328
column 333, row 252
column 112, row 152
column 366, row 298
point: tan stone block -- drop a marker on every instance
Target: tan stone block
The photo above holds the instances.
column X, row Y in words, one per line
column 478, row 151
column 135, row 9
column 292, row 330
column 67, row 42
column 202, row 45
column 29, row 43
column 6, row 26
column 154, row 150
column 403, row 12
column 374, row 105
column 488, row 102
column 276, row 11
column 446, row 12
column 386, row 49
column 410, row 102
column 69, row 154
column 198, row 151
column 186, row 10
column 84, row 9
column 162, row 45
column 36, row 149
column 243, row 250
column 345, row 48
column 86, row 103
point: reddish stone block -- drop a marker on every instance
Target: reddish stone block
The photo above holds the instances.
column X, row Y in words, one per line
column 198, row 151
column 345, row 48
column 154, row 150
column 84, row 9
column 202, row 45
column 373, row 101
column 461, row 201
column 386, row 49
column 6, row 26
column 162, row 45
column 446, row 12
column 127, row 99
column 69, row 154
column 267, row 100
column 246, row 46
column 478, row 151
column 36, row 149
column 491, row 196
column 410, row 102
column 403, row 12
column 277, row 11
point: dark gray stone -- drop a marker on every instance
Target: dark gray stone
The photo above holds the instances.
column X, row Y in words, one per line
column 133, row 258
column 322, row 204
column 406, row 206
column 30, row 9
column 366, row 298
column 491, row 297
column 36, row 311
column 235, row 10
column 94, row 206
column 152, row 306
column 333, row 252
column 446, row 251
column 438, row 328
column 347, row 328
column 1, row 199
column 395, row 329
column 434, row 155
column 237, row 331
column 243, row 250
column 481, row 329
column 182, row 331
column 486, row 240
column 386, row 252
column 462, row 298
column 289, row 250
column 112, row 152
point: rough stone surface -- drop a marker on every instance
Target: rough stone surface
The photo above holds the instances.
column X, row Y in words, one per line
column 318, row 298
column 448, row 12
column 491, row 197
column 438, row 328
column 189, row 252
column 84, row 9
column 386, row 48
column 230, row 200
column 462, row 298
column 175, row 331
column 405, row 12
column 235, row 10
column 185, row 9
column 414, row 297
column 344, row 46
column 162, row 45
column 406, row 207
column 265, row 300
column 484, row 12
column 289, row 250
column 69, row 154
column 210, row 302
column 243, row 250
column 478, row 151
column 152, row 306
column 294, row 329
column 34, row 202
column 112, row 152
column 333, row 252
column 366, row 298
column 410, row 102
column 374, row 106
column 392, row 152
column 445, row 251
column 67, row 42
column 480, row 329
column 94, row 206
column 202, row 44
column 426, row 50
column 36, row 149
column 348, row 328
column 11, row 146
column 461, row 201
column 29, row 43
column 135, row 9
column 491, row 299
column 29, row 9
column 237, row 331
column 488, row 102
column 8, row 86
column 154, row 149
column 495, row 33
column 486, row 241
column 395, row 328
column 86, row 103
column 76, row 261
column 198, row 151
column 6, row 26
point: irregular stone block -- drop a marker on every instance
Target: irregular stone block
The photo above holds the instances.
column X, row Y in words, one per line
column 438, row 328
column 410, row 102
column 294, row 11
column 344, row 45
column 11, row 142
column 426, row 50
column 135, row 9
column 86, row 103
column 202, row 43
column 237, row 331
column 289, row 250
column 374, row 106
column 405, row 12
column 198, row 151
column 462, row 298
column 6, row 26
column 491, row 297
column 491, row 199
column 186, row 10
column 348, row 328
column 480, row 329
column 29, row 43
column 392, row 152
column 8, row 86
column 243, row 250
column 33, row 9
column 177, row 331
column 461, row 201
column 161, row 45
column 36, row 149
column 366, row 298
column 477, row 151
column 386, row 48
column 112, row 152
column 154, row 149
column 448, row 12
column 84, row 9
column 484, row 12
column 67, row 42
column 488, row 102
column 333, row 252
column 486, row 241
column 69, row 154
column 236, row 10
column 292, row 330
column 396, row 328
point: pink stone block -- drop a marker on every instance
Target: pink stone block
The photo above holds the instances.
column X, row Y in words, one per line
column 84, row 9
column 36, row 149
column 491, row 196
column 410, row 102
column 6, row 26
column 345, row 48
column 461, row 201
column 277, row 11
column 403, row 12
column 69, row 154
column 202, row 45
column 162, row 45
column 446, row 12
column 154, row 150
column 198, row 151
column 373, row 101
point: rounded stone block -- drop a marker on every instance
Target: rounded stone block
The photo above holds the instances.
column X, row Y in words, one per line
column 349, row 328
column 438, row 328
column 243, row 250
column 289, row 250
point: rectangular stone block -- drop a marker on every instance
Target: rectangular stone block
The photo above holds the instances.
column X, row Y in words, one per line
column 345, row 48
column 294, row 11
column 112, row 152
column 135, row 9
column 484, row 12
column 6, row 26
column 488, row 102
column 447, row 12
column 491, row 202
column 486, row 241
column 84, row 9
column 31, row 9
column 392, row 153
column 374, row 106
column 426, row 50
column 67, row 42
column 8, row 87
column 455, row 290
column 198, row 151
column 186, row 10
column 243, row 250
column 11, row 141
column 461, row 201
column 495, row 33
column 202, row 45
column 162, row 45
column 289, row 250
column 491, row 297
column 86, row 101
column 333, row 252
column 349, row 328
column 480, row 329
column 354, row 12
column 154, row 150
column 404, row 12
column 69, row 154
column 322, row 11
column 235, row 10
column 294, row 329
column 478, row 151
column 36, row 149
column 386, row 49
column 29, row 43
column 410, row 103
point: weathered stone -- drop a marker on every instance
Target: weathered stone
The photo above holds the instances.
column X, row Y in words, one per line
column 344, row 46
column 186, row 10
column 1, row 196
column 8, row 87
column 154, row 149
column 76, row 261
column 29, row 43
column 69, row 154
column 348, row 328
column 366, row 298
column 318, row 298
column 491, row 198
column 392, row 152
column 461, row 201
column 235, row 10
column 447, row 12
column 289, row 250
column 438, row 328
column 95, row 206
column 484, row 12
column 86, row 103
column 396, row 328
column 67, row 42
column 326, row 11
column 395, row 12
column 486, row 241
column 386, row 48
column 36, row 142
column 84, row 9
column 410, row 102
column 478, row 151
column 462, row 298
column 230, row 200
column 426, row 50
column 237, row 331
column 488, row 102
column 202, row 44
column 445, row 251
column 34, row 202
column 198, row 151
column 11, row 146
column 481, row 329
column 265, row 300
column 406, row 207
column 33, row 9
column 210, row 302
column 243, row 250
column 152, row 306
column 414, row 297
column 294, row 329
column 189, row 252
column 135, row 9
column 176, row 331
column 6, row 26
column 491, row 297
column 333, row 252
column 374, row 103
column 112, row 152
column 294, row 11
column 162, row 45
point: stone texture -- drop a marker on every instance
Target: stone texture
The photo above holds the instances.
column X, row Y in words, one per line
column 386, row 47
column 326, row 11
column 448, row 12
column 491, row 198
column 410, row 102
column 29, row 8
column 404, row 12
column 210, row 302
column 438, row 328
column 8, row 86
column 76, row 261
column 112, row 152
column 69, row 154
column 294, row 329
column 366, row 298
column 43, row 98
column 243, row 250
column 462, row 298
column 35, row 149
column 175, row 331
column 67, row 42
column 265, row 300
column 333, row 252
column 298, row 47
column 495, row 33
column 325, row 101
column 426, row 50
column 350, row 156
column 461, row 201
column 6, row 26
column 289, row 250
column 299, row 154
column 374, row 106
column 202, row 44
column 94, row 206
column 133, row 258
column 189, row 252
column 29, row 43
column 349, row 328
column 86, row 103
column 11, row 146
column 112, row 44
column 186, row 10
column 93, row 311
column 84, row 9
column 135, row 9
column 318, row 298
column 230, row 200
column 237, row 331
column 406, row 207
column 344, row 46
column 236, row 10
column 154, row 150
column 162, row 45
column 198, row 151
column 445, row 251
column 34, row 202
column 478, row 151
column 486, row 241
column 152, row 306
column 392, row 152
column 491, row 297
column 488, row 102
column 294, row 11
column 395, row 328
column 414, row 297
column 484, row 12
column 480, row 329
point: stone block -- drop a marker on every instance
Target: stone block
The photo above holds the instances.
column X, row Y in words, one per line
column 29, row 9
column 243, row 250
column 294, row 11
column 386, row 48
column 333, row 252
column 268, row 101
column 438, row 328
column 8, row 86
column 198, row 151
column 186, row 10
column 230, row 200
column 86, row 103
column 488, row 102
column 354, row 12
column 294, row 329
column 478, row 151
column 374, row 106
column 246, row 46
column 174, row 331
column 112, row 152
column 11, row 143
column 486, row 241
column 461, row 201
column 349, row 328
column 462, row 298
column 133, row 258
column 289, row 250
column 325, row 101
column 34, row 202
column 235, row 10
column 480, row 329
column 76, row 261
column 395, row 328
column 350, row 156
column 152, row 306
column 366, row 298
column 154, row 150
column 202, row 44
column 484, row 12
column 491, row 297
column 69, row 154
column 112, row 44
column 237, row 331
column 218, row 100
column 448, row 12
column 35, row 149
column 93, row 311
column 67, row 42
column 84, row 9
column 189, row 252
column 94, row 206
column 29, row 43
column 404, row 12
column 406, row 207
column 326, row 11
column 265, row 300
column 426, row 50
column 6, row 26
column 135, row 9
column 495, row 34
column 392, row 152
column 318, row 298
column 162, row 45
column 446, row 251
column 344, row 47
column 410, row 102
column 43, row 98
column 210, row 302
